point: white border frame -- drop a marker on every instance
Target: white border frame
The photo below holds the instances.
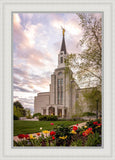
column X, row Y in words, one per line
column 7, row 7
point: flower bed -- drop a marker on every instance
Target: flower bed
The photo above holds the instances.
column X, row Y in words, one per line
column 61, row 135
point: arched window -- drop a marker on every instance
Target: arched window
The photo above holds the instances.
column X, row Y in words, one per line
column 51, row 110
column 60, row 91
column 61, row 59
column 60, row 73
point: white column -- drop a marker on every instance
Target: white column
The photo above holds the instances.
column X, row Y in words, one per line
column 62, row 112
column 46, row 111
column 56, row 111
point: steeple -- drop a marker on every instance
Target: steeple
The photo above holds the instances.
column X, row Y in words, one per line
column 63, row 46
column 63, row 53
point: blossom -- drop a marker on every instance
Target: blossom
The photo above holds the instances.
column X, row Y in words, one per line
column 27, row 136
column 95, row 123
column 99, row 124
column 53, row 137
column 84, row 134
column 75, row 128
column 85, row 126
column 52, row 123
column 63, row 137
column 21, row 136
column 40, row 128
column 87, row 132
column 45, row 131
column 52, row 133
column 73, row 132
column 90, row 129
column 76, row 124
column 32, row 137
column 38, row 134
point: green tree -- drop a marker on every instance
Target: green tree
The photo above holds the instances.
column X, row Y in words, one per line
column 88, row 64
column 92, row 96
column 19, row 110
column 28, row 113
column 18, row 104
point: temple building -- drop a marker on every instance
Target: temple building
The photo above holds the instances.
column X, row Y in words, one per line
column 62, row 97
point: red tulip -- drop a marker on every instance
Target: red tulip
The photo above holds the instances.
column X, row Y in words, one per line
column 96, row 123
column 21, row 136
column 52, row 123
column 75, row 128
column 52, row 133
column 90, row 129
column 27, row 136
column 53, row 137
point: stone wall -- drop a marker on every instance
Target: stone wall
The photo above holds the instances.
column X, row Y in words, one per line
column 41, row 101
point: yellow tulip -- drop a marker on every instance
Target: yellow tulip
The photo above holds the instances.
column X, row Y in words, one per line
column 32, row 137
column 85, row 126
column 73, row 132
column 63, row 137
column 45, row 131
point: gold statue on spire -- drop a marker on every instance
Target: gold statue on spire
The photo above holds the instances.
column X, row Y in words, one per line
column 63, row 30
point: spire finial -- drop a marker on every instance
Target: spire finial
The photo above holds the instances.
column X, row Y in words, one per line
column 63, row 30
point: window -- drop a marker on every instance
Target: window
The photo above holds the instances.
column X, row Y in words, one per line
column 59, row 112
column 44, row 111
column 60, row 91
column 51, row 111
column 61, row 59
column 60, row 73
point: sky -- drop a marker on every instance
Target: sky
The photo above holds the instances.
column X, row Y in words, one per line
column 37, row 39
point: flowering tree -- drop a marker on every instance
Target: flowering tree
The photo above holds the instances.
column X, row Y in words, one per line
column 88, row 64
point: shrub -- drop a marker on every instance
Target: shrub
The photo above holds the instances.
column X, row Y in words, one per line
column 37, row 115
column 16, row 118
column 88, row 114
column 29, row 117
column 48, row 118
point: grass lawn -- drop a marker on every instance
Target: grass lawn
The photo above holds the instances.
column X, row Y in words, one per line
column 27, row 127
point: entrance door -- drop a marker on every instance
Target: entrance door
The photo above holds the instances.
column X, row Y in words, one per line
column 59, row 112
column 51, row 110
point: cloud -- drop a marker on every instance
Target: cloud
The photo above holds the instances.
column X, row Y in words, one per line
column 36, row 43
column 21, row 89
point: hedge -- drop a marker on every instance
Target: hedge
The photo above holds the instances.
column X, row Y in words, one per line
column 48, row 118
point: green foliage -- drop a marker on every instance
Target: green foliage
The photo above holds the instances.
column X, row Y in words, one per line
column 88, row 64
column 91, row 96
column 37, row 115
column 77, row 143
column 93, row 140
column 21, row 143
column 88, row 114
column 19, row 110
column 28, row 113
column 48, row 118
column 16, row 118
column 62, row 131
column 18, row 104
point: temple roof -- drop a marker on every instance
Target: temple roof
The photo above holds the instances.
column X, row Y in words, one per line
column 63, row 46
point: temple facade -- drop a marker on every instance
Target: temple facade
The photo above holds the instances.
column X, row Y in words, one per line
column 63, row 94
